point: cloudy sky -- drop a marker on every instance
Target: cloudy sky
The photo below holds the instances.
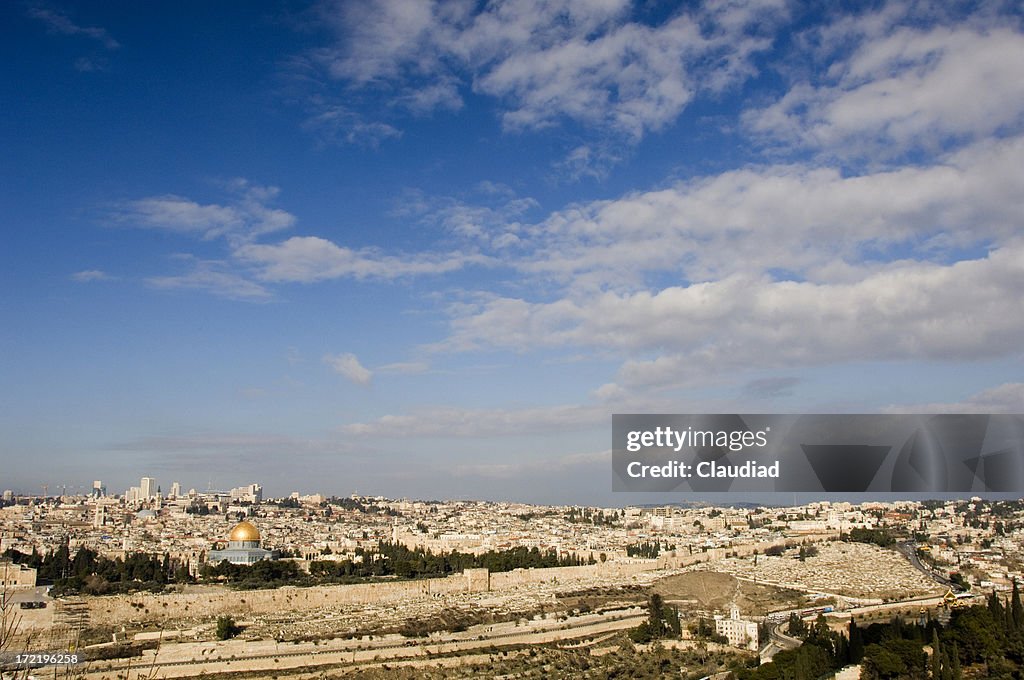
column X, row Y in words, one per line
column 427, row 249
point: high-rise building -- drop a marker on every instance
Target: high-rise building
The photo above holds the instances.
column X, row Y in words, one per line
column 147, row 488
column 99, row 517
column 98, row 490
column 175, row 490
column 252, row 493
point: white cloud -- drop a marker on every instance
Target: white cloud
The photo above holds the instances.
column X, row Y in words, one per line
column 796, row 221
column 88, row 275
column 245, row 217
column 774, row 266
column 523, row 468
column 336, row 124
column 461, row 422
column 180, row 214
column 587, row 160
column 767, row 388
column 215, row 277
column 490, row 215
column 348, row 366
column 304, row 259
column 405, row 367
column 798, row 218
column 1005, row 398
column 904, row 87
column 610, row 392
column 310, row 258
column 58, row 22
column 630, row 79
column 544, row 61
column 264, row 445
column 907, row 310
column 382, row 38
column 442, row 95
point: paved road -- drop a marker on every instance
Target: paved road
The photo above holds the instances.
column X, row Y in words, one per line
column 909, row 550
column 781, row 639
column 37, row 594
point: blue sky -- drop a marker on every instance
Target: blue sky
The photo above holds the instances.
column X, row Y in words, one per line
column 427, row 249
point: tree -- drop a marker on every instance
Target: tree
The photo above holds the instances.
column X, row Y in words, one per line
column 974, row 632
column 662, row 622
column 641, row 634
column 946, row 673
column 880, row 662
column 227, row 628
column 856, row 649
column 654, row 611
column 673, row 627
column 797, row 627
column 955, row 663
column 1016, row 609
column 995, row 606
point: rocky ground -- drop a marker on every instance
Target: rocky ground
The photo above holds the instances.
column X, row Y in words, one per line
column 857, row 570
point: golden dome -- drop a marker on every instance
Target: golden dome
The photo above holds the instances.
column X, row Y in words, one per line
column 244, row 531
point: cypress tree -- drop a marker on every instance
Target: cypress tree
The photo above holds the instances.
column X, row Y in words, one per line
column 1016, row 608
column 995, row 606
column 897, row 626
column 842, row 649
column 936, row 656
column 672, row 623
column 947, row 671
column 656, row 615
column 820, row 630
column 856, row 652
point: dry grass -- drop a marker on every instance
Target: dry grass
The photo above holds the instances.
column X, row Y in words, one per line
column 715, row 590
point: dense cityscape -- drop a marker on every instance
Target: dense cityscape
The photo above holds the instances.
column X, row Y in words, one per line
column 203, row 580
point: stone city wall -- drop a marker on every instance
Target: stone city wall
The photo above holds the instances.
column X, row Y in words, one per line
column 144, row 607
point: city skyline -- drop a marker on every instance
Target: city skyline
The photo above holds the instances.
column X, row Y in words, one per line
column 426, row 250
column 351, row 583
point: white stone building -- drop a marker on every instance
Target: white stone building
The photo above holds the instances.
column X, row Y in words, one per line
column 16, row 575
column 739, row 632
